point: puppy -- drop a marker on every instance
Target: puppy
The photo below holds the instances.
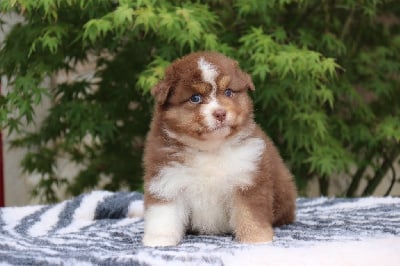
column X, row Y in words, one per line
column 209, row 168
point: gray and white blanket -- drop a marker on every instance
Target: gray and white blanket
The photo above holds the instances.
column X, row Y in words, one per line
column 104, row 228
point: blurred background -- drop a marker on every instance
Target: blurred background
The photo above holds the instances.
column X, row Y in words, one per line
column 76, row 76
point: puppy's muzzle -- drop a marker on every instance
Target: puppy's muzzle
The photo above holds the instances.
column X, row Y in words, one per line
column 220, row 115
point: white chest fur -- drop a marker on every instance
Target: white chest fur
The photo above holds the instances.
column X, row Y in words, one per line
column 203, row 184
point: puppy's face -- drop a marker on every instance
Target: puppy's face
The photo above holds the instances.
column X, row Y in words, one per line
column 204, row 96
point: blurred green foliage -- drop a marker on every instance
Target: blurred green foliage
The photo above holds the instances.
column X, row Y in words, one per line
column 326, row 74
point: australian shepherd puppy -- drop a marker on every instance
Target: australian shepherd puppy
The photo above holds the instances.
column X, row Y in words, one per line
column 209, row 168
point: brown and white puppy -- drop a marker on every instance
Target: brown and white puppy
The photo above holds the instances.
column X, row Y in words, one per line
column 208, row 167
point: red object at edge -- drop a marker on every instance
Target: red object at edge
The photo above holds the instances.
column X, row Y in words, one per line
column 1, row 168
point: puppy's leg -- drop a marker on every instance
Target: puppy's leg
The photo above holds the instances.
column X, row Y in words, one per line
column 164, row 224
column 252, row 217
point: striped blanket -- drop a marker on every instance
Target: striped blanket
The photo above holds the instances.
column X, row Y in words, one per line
column 104, row 228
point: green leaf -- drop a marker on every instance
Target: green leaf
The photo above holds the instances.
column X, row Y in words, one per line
column 146, row 18
column 96, row 28
column 152, row 75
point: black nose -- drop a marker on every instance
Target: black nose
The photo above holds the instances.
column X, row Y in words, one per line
column 220, row 114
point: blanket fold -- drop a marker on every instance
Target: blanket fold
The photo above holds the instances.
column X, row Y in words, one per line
column 105, row 228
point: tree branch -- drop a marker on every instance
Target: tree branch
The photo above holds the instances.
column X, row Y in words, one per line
column 357, row 177
column 379, row 174
column 394, row 177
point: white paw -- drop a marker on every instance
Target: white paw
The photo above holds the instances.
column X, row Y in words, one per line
column 160, row 240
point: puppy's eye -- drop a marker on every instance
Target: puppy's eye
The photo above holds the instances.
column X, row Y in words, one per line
column 228, row 92
column 196, row 98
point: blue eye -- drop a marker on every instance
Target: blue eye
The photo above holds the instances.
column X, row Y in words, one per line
column 228, row 92
column 196, row 98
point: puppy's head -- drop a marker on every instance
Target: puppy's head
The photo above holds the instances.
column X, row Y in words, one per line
column 203, row 96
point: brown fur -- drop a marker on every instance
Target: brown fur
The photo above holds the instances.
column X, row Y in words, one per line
column 270, row 200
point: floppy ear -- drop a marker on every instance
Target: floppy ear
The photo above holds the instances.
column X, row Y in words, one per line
column 250, row 84
column 244, row 77
column 161, row 91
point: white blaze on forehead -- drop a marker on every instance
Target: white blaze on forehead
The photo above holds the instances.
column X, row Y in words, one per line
column 208, row 72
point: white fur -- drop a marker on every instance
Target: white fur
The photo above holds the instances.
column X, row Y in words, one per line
column 164, row 224
column 206, row 180
column 207, row 111
column 209, row 72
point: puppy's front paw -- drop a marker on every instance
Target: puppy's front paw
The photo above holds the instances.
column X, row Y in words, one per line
column 255, row 239
column 160, row 240
column 260, row 236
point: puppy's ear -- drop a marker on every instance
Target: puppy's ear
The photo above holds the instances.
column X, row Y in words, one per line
column 250, row 84
column 161, row 91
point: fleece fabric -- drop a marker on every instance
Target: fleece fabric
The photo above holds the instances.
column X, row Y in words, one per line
column 104, row 228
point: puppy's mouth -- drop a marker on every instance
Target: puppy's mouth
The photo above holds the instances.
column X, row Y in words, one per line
column 220, row 126
column 220, row 129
